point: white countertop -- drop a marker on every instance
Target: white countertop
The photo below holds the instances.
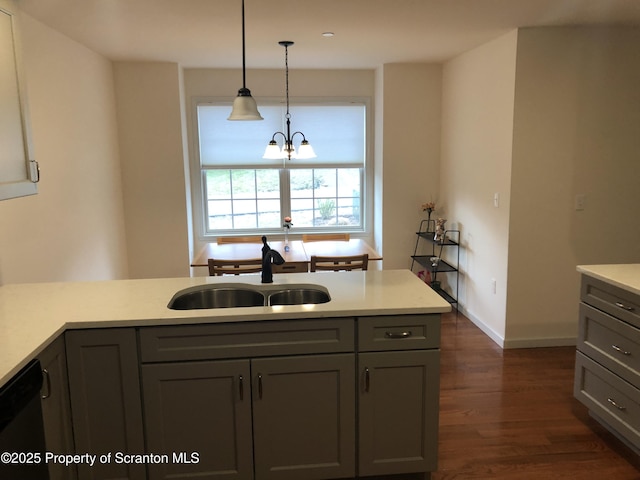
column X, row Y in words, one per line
column 33, row 315
column 625, row 276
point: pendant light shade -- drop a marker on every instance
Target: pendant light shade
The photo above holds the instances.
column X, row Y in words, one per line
column 244, row 106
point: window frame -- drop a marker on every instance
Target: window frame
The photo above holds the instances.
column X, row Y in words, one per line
column 198, row 171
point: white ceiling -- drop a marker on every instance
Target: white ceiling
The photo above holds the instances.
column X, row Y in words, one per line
column 368, row 33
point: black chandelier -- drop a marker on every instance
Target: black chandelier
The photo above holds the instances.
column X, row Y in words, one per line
column 273, row 150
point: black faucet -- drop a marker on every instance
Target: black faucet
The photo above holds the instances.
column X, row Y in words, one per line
column 269, row 256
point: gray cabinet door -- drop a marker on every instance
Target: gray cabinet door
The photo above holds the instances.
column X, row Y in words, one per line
column 304, row 417
column 56, row 408
column 105, row 400
column 398, row 411
column 201, row 411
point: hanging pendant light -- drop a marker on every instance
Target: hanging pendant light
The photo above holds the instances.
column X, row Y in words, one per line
column 244, row 106
column 273, row 151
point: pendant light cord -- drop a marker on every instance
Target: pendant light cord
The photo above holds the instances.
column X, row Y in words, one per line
column 244, row 74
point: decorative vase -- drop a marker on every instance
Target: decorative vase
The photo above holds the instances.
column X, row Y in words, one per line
column 440, row 231
column 286, row 239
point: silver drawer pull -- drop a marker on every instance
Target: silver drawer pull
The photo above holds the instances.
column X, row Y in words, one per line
column 624, row 307
column 619, row 350
column 47, row 383
column 613, row 402
column 398, row 335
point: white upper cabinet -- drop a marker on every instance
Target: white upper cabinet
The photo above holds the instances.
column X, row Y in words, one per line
column 18, row 168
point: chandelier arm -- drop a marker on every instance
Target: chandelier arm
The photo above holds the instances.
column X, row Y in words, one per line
column 295, row 133
column 273, row 138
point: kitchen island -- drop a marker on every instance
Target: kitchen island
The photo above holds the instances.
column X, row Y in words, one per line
column 607, row 376
column 305, row 384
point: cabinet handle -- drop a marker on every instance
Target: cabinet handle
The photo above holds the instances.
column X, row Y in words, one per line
column 367, row 379
column 35, row 171
column 47, row 382
column 619, row 350
column 398, row 335
column 260, row 386
column 613, row 402
column 624, row 307
column 241, row 386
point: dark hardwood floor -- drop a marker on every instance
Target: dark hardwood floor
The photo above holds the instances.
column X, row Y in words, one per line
column 510, row 414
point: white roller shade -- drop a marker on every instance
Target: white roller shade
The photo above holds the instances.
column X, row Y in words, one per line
column 336, row 132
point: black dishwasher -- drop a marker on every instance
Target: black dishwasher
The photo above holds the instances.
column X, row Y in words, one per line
column 22, row 446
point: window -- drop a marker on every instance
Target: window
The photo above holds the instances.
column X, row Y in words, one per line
column 240, row 192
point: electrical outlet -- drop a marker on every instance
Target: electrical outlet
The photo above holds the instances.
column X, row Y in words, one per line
column 579, row 201
column 494, row 286
column 496, row 199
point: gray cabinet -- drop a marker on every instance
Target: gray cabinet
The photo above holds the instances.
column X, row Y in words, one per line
column 201, row 408
column 304, row 417
column 18, row 169
column 399, row 388
column 607, row 376
column 56, row 408
column 105, row 399
column 264, row 400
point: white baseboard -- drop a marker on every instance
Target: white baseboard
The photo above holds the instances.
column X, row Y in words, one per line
column 490, row 332
column 518, row 342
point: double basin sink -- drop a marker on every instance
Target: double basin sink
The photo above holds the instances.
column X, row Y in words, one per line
column 231, row 295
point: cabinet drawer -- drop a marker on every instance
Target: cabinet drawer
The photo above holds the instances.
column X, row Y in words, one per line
column 611, row 342
column 246, row 339
column 616, row 301
column 401, row 332
column 609, row 397
column 291, row 267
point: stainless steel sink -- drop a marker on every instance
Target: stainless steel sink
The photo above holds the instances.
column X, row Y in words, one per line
column 299, row 296
column 209, row 296
column 243, row 295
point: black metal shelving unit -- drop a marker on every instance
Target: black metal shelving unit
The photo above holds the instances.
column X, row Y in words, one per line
column 426, row 233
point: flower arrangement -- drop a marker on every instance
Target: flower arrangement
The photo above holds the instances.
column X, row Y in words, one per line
column 287, row 223
column 429, row 207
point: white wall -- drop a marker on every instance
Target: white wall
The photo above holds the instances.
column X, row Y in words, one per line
column 410, row 141
column 73, row 228
column 477, row 123
column 576, row 131
column 150, row 127
column 539, row 116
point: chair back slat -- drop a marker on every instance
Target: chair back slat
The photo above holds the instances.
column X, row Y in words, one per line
column 219, row 266
column 336, row 264
column 319, row 237
column 251, row 239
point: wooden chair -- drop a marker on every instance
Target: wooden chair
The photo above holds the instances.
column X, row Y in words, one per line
column 318, row 237
column 223, row 240
column 335, row 264
column 234, row 267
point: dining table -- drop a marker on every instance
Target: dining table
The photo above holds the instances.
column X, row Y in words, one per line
column 297, row 256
